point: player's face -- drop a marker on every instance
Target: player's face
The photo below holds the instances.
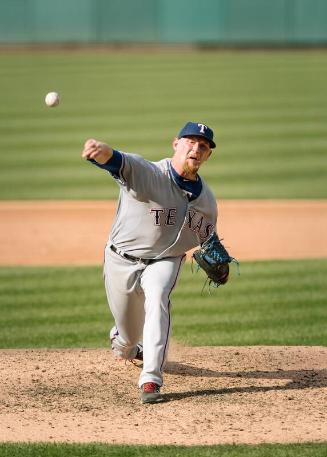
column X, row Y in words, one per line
column 190, row 153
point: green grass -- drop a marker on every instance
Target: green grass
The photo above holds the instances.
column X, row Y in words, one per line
column 268, row 109
column 103, row 450
column 53, row 307
column 270, row 303
column 277, row 303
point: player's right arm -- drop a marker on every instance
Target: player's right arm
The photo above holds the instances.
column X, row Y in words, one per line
column 132, row 171
column 100, row 152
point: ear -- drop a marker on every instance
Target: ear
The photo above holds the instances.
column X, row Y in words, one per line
column 175, row 143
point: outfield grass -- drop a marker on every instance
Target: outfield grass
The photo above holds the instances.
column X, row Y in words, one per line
column 103, row 450
column 270, row 303
column 269, row 111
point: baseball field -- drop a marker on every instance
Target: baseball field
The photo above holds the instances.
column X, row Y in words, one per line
column 247, row 368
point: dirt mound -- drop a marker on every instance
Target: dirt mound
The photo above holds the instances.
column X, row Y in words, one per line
column 212, row 395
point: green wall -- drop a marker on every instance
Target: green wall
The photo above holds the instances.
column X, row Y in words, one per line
column 164, row 21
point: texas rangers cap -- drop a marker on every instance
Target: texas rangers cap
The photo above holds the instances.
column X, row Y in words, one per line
column 197, row 129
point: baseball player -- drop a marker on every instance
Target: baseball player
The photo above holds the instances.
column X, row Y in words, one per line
column 164, row 210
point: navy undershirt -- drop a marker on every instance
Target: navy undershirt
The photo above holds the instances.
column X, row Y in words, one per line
column 193, row 188
column 113, row 165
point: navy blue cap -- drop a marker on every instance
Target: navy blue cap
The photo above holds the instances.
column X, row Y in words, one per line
column 197, row 129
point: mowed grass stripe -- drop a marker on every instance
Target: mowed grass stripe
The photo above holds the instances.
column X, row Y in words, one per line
column 236, row 151
column 244, row 118
column 278, row 303
column 143, row 64
column 106, row 450
column 260, row 129
column 257, row 103
column 240, row 107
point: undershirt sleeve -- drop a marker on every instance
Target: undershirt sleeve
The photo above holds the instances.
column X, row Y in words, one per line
column 113, row 165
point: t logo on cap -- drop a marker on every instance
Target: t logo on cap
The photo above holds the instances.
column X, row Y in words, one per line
column 202, row 127
column 197, row 129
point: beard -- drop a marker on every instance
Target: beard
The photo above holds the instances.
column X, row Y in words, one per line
column 191, row 171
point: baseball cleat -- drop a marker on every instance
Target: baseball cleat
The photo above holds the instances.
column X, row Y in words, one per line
column 150, row 393
column 112, row 335
column 139, row 347
column 138, row 356
column 139, row 353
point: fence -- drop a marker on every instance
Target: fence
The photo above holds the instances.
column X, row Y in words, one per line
column 216, row 22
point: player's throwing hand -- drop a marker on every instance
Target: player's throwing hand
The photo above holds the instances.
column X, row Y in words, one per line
column 100, row 152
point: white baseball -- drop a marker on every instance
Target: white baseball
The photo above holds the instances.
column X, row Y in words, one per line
column 52, row 99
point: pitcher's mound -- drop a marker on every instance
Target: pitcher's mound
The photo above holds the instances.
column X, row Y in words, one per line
column 212, row 395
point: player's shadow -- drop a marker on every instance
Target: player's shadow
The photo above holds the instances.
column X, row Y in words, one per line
column 297, row 379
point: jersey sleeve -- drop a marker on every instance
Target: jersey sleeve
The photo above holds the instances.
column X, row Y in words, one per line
column 138, row 176
column 133, row 173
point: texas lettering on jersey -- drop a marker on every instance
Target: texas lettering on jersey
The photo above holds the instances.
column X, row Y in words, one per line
column 195, row 221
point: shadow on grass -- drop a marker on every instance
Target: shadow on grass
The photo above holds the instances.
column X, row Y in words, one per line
column 299, row 379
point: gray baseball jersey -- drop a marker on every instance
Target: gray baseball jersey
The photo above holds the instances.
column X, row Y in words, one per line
column 157, row 221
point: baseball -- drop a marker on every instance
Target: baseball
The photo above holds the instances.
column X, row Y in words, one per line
column 52, row 99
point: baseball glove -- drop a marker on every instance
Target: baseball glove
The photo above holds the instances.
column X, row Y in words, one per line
column 213, row 258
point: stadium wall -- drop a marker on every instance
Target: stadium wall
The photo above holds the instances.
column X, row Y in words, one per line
column 206, row 22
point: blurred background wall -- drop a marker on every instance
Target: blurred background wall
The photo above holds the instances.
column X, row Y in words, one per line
column 206, row 22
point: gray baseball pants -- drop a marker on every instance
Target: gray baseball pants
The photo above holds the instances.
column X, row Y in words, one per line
column 139, row 299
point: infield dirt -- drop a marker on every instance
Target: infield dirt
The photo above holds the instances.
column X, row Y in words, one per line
column 75, row 232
